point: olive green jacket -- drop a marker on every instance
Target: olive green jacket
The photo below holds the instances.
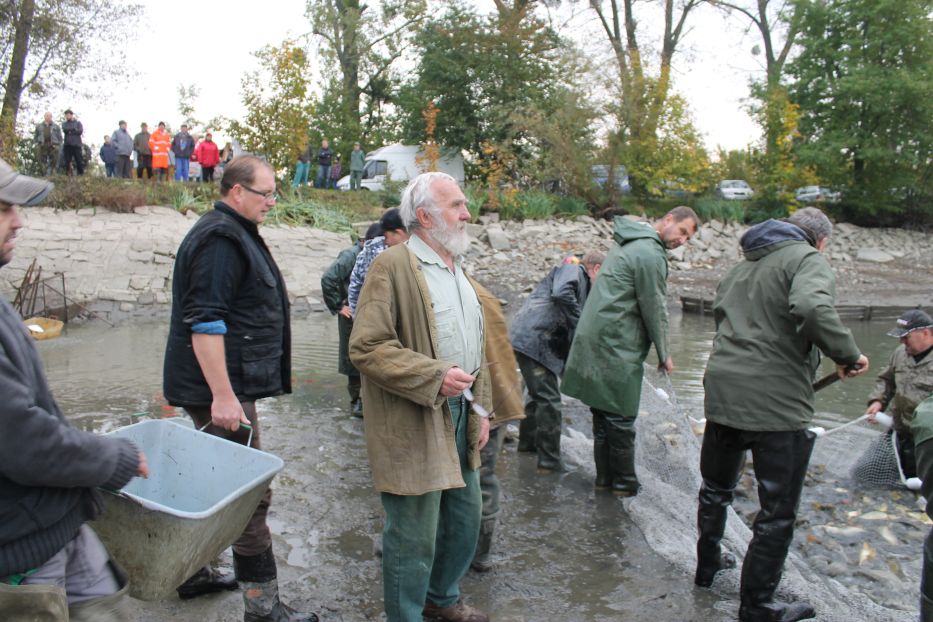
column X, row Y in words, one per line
column 625, row 312
column 408, row 425
column 921, row 426
column 773, row 312
column 902, row 385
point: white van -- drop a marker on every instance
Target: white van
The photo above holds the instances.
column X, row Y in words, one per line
column 399, row 163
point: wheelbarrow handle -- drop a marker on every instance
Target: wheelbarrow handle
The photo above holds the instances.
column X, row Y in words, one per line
column 249, row 440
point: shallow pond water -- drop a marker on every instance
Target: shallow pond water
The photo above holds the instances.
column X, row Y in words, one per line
column 563, row 552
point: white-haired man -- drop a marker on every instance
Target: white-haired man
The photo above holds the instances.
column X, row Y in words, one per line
column 418, row 340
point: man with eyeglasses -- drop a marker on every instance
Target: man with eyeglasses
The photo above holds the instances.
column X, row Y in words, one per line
column 229, row 345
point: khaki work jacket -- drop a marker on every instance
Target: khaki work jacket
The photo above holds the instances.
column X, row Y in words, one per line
column 408, row 425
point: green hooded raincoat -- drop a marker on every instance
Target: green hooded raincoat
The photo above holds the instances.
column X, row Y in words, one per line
column 625, row 313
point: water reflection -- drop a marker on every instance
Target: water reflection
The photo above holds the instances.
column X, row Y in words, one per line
column 101, row 375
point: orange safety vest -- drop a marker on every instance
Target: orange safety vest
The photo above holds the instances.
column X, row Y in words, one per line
column 160, row 143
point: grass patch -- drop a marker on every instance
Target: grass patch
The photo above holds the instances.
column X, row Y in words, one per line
column 309, row 213
column 711, row 208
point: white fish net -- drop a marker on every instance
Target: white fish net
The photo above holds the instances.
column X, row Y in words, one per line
column 667, row 461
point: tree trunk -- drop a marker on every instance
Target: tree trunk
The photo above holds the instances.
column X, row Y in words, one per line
column 14, row 81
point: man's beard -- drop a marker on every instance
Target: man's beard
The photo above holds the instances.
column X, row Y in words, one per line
column 454, row 238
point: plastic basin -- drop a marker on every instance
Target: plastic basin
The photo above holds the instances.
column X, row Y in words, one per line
column 199, row 497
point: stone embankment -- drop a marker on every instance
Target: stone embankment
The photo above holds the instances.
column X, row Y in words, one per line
column 873, row 266
column 120, row 265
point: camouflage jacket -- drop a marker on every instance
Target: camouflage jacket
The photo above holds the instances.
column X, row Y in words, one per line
column 902, row 385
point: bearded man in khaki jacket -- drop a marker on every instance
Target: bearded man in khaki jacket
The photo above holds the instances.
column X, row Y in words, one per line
column 418, row 341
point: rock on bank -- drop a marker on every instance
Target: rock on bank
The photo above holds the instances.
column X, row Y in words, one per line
column 120, row 265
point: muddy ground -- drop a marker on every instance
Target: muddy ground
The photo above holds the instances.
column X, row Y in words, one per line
column 562, row 550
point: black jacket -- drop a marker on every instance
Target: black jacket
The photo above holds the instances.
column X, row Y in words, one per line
column 49, row 471
column 72, row 131
column 255, row 310
column 543, row 328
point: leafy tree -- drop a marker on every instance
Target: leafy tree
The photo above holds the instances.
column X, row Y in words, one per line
column 360, row 44
column 864, row 84
column 503, row 86
column 278, row 105
column 642, row 96
column 777, row 23
column 52, row 46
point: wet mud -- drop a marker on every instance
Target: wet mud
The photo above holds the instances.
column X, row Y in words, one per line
column 562, row 551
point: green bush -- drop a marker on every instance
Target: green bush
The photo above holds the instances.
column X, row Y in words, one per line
column 535, row 205
column 713, row 208
column 571, row 206
column 298, row 212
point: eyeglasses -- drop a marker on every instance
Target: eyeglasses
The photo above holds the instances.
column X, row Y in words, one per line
column 268, row 196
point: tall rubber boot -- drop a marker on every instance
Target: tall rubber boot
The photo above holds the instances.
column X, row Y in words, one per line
column 112, row 608
column 711, row 523
column 33, row 603
column 926, row 609
column 257, row 577
column 601, row 452
column 621, row 435
column 528, row 430
column 926, row 580
column 780, row 460
column 482, row 559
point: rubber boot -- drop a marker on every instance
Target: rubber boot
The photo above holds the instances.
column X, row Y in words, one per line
column 527, row 430
column 482, row 559
column 780, row 461
column 926, row 609
column 711, row 523
column 776, row 611
column 33, row 603
column 206, row 580
column 112, row 608
column 601, row 453
column 257, row 577
column 621, row 435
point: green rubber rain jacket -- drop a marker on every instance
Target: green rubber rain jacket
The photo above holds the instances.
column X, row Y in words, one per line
column 624, row 314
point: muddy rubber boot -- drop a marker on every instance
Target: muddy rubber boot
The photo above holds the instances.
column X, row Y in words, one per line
column 112, row 608
column 256, row 575
column 207, row 580
column 926, row 609
column 711, row 523
column 601, row 453
column 527, row 430
column 482, row 559
column 776, row 611
column 622, row 458
column 356, row 408
column 33, row 603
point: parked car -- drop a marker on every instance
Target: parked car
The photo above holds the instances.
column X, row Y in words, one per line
column 401, row 163
column 816, row 194
column 619, row 177
column 734, row 190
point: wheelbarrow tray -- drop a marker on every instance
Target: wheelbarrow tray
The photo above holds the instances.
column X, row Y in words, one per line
column 200, row 495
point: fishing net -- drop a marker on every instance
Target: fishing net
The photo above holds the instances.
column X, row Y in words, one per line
column 667, row 461
column 878, row 466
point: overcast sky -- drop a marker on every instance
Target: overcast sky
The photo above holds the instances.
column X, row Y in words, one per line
column 210, row 44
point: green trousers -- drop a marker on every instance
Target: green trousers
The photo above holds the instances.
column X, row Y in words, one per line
column 428, row 540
